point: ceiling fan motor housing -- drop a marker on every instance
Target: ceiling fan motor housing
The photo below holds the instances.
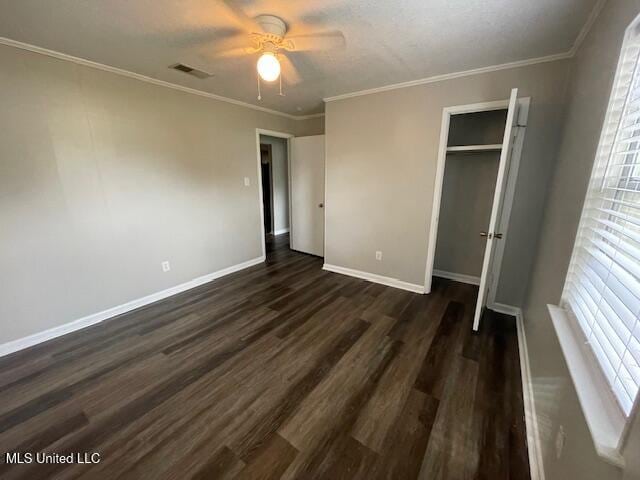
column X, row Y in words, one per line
column 273, row 27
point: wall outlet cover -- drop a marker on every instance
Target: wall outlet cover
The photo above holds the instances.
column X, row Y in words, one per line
column 379, row 255
column 247, row 181
column 166, row 266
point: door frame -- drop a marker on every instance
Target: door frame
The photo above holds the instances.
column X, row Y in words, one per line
column 447, row 112
column 287, row 137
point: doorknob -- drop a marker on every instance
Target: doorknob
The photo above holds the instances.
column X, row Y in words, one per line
column 321, row 205
column 490, row 235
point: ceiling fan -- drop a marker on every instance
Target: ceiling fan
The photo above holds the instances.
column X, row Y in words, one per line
column 268, row 37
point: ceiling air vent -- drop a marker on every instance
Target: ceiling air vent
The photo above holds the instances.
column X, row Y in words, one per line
column 190, row 70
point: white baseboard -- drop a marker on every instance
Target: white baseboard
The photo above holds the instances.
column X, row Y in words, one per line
column 506, row 309
column 531, row 419
column 457, row 277
column 25, row 342
column 372, row 277
column 281, row 231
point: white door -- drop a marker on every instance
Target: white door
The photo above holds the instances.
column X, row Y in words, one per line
column 496, row 210
column 307, row 194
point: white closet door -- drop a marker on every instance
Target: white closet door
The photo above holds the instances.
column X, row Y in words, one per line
column 307, row 194
column 496, row 210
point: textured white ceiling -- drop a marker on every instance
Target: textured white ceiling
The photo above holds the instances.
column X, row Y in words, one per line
column 387, row 41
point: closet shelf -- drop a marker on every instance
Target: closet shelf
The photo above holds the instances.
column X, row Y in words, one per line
column 475, row 148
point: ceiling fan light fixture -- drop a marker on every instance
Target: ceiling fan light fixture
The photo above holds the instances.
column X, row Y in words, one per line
column 268, row 67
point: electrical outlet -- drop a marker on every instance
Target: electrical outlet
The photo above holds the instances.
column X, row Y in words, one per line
column 166, row 266
column 379, row 255
column 247, row 181
column 560, row 439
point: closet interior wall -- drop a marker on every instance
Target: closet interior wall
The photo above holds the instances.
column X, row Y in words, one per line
column 467, row 193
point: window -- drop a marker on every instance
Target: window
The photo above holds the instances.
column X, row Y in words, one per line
column 602, row 291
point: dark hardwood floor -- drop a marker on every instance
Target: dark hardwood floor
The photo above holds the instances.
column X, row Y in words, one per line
column 282, row 370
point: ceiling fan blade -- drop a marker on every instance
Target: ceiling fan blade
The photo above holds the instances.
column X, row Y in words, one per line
column 315, row 41
column 196, row 37
column 209, row 61
column 290, row 72
column 236, row 12
column 232, row 52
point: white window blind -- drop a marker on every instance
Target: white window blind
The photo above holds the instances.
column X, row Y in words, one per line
column 602, row 291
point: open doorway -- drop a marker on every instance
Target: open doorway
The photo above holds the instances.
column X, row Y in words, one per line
column 480, row 148
column 291, row 191
column 274, row 170
column 267, row 186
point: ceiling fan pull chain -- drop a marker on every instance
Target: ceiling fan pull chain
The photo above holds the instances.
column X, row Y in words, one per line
column 259, row 95
column 281, row 94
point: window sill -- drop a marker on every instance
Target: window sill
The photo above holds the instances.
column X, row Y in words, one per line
column 605, row 419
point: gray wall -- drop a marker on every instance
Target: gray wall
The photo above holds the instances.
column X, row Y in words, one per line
column 280, row 179
column 103, row 177
column 465, row 209
column 592, row 75
column 480, row 128
column 308, row 127
column 381, row 159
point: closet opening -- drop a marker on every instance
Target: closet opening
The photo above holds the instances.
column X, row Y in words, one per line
column 274, row 188
column 480, row 147
column 470, row 172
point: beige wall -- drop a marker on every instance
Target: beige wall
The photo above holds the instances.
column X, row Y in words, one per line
column 280, row 180
column 310, row 126
column 465, row 209
column 592, row 75
column 381, row 160
column 103, row 177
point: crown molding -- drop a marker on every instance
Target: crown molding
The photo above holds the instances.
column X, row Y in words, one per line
column 451, row 76
column 412, row 83
column 586, row 28
column 597, row 8
column 143, row 78
column 305, row 117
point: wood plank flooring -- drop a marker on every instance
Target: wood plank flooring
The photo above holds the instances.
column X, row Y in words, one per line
column 279, row 371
